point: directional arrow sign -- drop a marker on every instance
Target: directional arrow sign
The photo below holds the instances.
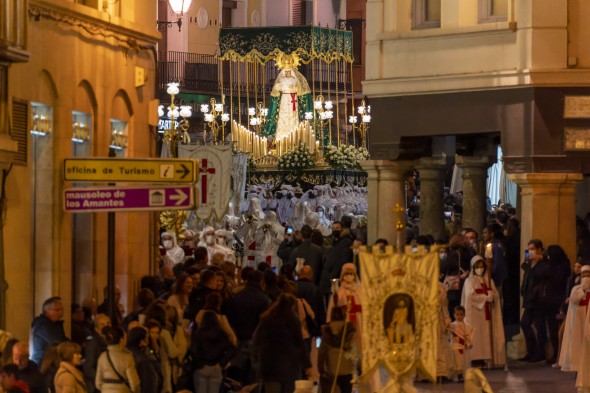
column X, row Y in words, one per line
column 120, row 199
column 130, row 170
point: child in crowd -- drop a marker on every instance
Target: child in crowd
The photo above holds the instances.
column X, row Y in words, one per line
column 462, row 340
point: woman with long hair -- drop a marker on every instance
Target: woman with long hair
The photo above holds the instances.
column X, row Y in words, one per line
column 213, row 303
column 148, row 366
column 211, row 349
column 167, row 348
column 180, row 292
column 49, row 367
column 69, row 379
column 116, row 370
column 278, row 348
column 179, row 340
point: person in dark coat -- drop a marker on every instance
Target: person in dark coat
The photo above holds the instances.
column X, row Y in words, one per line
column 243, row 312
column 144, row 299
column 534, row 286
column 27, row 369
column 47, row 328
column 196, row 299
column 277, row 347
column 148, row 367
column 81, row 331
column 92, row 350
column 307, row 290
column 339, row 254
column 311, row 254
column 456, row 262
column 288, row 245
column 555, row 274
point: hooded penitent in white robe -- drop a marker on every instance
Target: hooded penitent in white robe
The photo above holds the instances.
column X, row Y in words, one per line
column 270, row 234
column 483, row 312
column 175, row 254
column 570, row 356
column 313, row 220
column 296, row 219
column 214, row 248
column 583, row 379
column 349, row 295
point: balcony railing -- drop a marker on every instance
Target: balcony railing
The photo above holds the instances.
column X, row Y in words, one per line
column 201, row 73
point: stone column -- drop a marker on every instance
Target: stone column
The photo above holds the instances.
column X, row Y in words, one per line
column 386, row 187
column 474, row 190
column 548, row 209
column 432, row 172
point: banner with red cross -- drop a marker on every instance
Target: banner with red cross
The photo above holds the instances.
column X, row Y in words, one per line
column 213, row 194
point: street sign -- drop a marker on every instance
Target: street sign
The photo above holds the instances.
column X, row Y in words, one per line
column 121, row 199
column 131, row 170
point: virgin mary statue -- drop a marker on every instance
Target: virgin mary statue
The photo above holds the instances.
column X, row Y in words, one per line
column 290, row 99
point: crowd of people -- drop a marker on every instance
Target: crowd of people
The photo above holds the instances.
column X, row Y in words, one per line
column 211, row 321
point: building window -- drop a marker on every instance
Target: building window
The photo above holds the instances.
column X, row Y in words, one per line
column 426, row 14
column 493, row 11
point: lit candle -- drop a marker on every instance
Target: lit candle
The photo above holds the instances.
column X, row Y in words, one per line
column 488, row 253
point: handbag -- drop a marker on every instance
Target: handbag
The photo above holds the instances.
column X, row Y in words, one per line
column 453, row 282
column 312, row 326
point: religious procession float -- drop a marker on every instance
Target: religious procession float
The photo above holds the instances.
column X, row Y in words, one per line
column 286, row 124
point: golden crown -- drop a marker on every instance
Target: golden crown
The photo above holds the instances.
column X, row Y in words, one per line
column 287, row 61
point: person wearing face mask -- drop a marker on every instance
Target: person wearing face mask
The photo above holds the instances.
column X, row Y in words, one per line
column 472, row 238
column 483, row 312
column 570, row 357
column 536, row 286
column 209, row 240
column 336, row 257
column 174, row 254
column 321, row 212
column 454, row 269
column 313, row 220
column 348, row 296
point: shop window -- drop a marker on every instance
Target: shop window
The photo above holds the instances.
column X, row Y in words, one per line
column 118, row 142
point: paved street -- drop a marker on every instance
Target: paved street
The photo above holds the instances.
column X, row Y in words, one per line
column 521, row 378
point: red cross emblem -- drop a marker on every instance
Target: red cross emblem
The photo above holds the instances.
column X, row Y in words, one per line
column 205, row 171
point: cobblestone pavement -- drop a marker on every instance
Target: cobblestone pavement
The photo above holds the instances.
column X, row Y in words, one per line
column 520, row 378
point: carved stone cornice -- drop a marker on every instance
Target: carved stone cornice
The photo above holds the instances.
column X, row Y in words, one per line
column 93, row 24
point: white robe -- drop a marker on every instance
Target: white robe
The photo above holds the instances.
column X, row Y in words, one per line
column 583, row 379
column 445, row 362
column 462, row 338
column 475, row 315
column 570, row 356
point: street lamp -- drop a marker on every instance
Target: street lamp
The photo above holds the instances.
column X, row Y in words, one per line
column 215, row 119
column 257, row 117
column 178, row 131
column 365, row 112
column 325, row 115
column 179, row 7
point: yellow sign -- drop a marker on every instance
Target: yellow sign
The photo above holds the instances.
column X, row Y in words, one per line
column 131, row 170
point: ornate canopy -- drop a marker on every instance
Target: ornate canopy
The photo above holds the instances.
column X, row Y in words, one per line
column 268, row 43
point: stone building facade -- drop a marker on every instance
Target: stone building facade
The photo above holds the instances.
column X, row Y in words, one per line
column 453, row 79
column 91, row 71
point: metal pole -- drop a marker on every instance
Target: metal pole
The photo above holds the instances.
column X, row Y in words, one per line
column 111, row 268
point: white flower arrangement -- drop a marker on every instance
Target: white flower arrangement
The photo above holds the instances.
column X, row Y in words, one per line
column 345, row 157
column 298, row 158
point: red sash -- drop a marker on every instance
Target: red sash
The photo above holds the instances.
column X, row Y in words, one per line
column 584, row 302
column 294, row 101
column 460, row 341
column 353, row 308
column 252, row 247
column 484, row 291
